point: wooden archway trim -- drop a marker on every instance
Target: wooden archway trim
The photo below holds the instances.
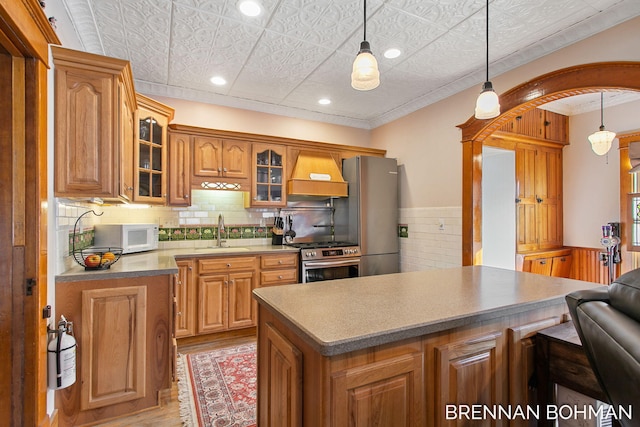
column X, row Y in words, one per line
column 576, row 80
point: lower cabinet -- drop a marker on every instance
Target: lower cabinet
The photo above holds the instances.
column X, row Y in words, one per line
column 431, row 380
column 124, row 356
column 279, row 269
column 214, row 294
column 556, row 263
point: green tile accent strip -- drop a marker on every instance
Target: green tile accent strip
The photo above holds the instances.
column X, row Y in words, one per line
column 210, row 232
column 403, row 230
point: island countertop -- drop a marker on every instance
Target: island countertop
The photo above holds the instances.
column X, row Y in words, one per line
column 340, row 316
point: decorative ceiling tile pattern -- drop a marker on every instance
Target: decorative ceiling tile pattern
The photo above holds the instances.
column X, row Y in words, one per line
column 298, row 51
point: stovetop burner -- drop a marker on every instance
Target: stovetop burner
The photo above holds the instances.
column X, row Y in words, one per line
column 317, row 245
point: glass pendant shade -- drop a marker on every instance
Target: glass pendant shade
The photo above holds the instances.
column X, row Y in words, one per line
column 601, row 141
column 488, row 104
column 365, row 74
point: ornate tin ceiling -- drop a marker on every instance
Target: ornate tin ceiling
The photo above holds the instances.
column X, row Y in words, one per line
column 298, row 51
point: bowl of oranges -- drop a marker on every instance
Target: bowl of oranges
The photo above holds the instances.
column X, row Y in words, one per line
column 97, row 258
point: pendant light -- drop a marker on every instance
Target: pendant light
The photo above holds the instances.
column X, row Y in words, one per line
column 488, row 104
column 365, row 74
column 602, row 139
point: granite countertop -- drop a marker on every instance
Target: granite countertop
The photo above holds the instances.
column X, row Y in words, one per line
column 339, row 316
column 160, row 262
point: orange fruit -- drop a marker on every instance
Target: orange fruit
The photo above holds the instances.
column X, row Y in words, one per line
column 108, row 256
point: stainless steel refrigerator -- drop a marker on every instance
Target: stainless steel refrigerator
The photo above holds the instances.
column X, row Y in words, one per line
column 369, row 216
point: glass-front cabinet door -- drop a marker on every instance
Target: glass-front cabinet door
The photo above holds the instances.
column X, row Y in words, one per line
column 268, row 184
column 150, row 152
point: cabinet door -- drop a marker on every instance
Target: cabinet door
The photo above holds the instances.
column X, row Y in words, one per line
column 185, row 316
column 212, row 300
column 555, row 127
column 526, row 198
column 549, row 196
column 151, row 161
column 85, row 137
column 541, row 266
column 280, row 383
column 383, row 393
column 242, row 309
column 269, row 175
column 531, row 123
column 127, row 137
column 561, row 266
column 207, row 157
column 113, row 345
column 235, row 159
column 179, row 170
column 470, row 372
column 521, row 341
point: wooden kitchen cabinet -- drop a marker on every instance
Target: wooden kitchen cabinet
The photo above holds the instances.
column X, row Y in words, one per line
column 185, row 295
column 522, row 364
column 219, row 158
column 179, row 169
column 540, row 124
column 225, row 288
column 150, row 151
column 94, row 104
column 539, row 197
column 268, row 183
column 123, row 328
column 556, row 263
column 470, row 370
column 280, row 269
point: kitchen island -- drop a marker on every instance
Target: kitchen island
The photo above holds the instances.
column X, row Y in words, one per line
column 402, row 349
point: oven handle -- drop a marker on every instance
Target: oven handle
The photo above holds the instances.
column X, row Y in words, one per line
column 352, row 261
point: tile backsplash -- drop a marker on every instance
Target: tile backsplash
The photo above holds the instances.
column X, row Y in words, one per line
column 179, row 226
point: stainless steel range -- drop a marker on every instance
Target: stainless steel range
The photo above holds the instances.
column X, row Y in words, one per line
column 328, row 260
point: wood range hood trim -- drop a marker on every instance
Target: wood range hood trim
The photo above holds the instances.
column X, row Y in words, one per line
column 328, row 180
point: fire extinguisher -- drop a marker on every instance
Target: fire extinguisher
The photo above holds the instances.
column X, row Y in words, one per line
column 61, row 356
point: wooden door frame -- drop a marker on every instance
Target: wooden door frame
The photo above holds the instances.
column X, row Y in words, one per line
column 576, row 80
column 25, row 34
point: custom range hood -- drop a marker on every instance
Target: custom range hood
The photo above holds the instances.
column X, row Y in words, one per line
column 316, row 174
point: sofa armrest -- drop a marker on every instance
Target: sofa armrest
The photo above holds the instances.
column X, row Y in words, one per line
column 574, row 299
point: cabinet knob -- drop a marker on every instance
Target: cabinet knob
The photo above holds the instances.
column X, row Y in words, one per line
column 129, row 188
column 179, row 282
column 226, row 282
column 219, row 170
column 229, row 265
column 543, row 262
column 186, row 196
column 280, row 277
column 538, row 199
column 179, row 313
column 224, row 170
column 279, row 261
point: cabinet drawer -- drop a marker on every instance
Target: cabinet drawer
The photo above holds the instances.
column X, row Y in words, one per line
column 279, row 261
column 216, row 265
column 279, row 277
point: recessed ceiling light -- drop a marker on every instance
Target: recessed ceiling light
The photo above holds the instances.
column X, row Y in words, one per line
column 392, row 53
column 249, row 7
column 324, row 101
column 218, row 81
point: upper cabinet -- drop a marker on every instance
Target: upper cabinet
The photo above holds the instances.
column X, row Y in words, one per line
column 150, row 152
column 540, row 124
column 94, row 105
column 269, row 175
column 219, row 158
column 539, row 197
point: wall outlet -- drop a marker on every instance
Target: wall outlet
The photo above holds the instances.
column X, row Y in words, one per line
column 441, row 224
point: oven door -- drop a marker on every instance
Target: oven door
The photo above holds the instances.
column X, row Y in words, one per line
column 316, row 271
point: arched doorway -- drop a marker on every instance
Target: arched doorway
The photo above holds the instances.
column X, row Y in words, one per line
column 577, row 80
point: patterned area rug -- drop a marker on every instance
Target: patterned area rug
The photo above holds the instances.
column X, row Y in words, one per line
column 218, row 388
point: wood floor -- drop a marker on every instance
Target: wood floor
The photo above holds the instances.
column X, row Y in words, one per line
column 168, row 414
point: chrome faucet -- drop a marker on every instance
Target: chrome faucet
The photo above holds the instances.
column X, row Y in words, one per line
column 220, row 231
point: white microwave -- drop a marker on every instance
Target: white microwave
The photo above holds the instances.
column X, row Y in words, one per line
column 130, row 237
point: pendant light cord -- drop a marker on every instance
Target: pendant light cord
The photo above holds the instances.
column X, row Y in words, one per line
column 364, row 20
column 487, row 40
column 601, row 109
